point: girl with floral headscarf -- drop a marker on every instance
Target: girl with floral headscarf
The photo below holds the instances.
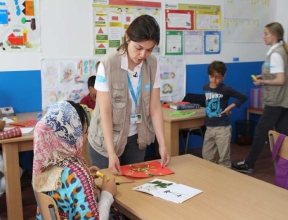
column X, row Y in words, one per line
column 61, row 172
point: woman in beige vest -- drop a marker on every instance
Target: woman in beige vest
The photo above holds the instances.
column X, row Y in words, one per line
column 274, row 94
column 128, row 112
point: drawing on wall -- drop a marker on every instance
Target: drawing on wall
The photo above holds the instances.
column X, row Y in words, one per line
column 86, row 68
column 67, row 71
column 65, row 79
column 19, row 25
column 173, row 78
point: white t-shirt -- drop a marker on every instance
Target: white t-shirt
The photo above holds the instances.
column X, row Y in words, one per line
column 101, row 83
column 276, row 61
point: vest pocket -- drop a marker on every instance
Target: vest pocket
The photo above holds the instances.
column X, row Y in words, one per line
column 119, row 111
column 118, row 91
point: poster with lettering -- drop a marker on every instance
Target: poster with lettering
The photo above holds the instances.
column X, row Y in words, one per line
column 192, row 29
column 19, row 26
column 113, row 17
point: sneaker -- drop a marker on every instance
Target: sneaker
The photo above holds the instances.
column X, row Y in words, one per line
column 242, row 167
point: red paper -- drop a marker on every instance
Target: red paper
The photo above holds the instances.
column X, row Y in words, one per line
column 27, row 123
column 146, row 169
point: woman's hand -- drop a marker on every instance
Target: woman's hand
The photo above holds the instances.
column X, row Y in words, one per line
column 93, row 170
column 109, row 186
column 259, row 77
column 165, row 157
column 114, row 164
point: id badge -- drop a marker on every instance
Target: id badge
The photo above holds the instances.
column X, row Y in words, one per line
column 135, row 119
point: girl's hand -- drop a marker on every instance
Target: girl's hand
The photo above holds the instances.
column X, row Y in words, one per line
column 109, row 186
column 93, row 170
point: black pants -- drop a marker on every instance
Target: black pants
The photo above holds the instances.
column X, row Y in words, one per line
column 272, row 117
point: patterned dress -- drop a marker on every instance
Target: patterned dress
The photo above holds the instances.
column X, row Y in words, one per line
column 76, row 199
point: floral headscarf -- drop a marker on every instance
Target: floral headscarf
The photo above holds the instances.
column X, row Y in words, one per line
column 58, row 139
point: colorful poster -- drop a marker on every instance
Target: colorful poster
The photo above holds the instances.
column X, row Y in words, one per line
column 113, row 17
column 185, row 26
column 179, row 20
column 174, row 43
column 193, row 42
column 173, row 78
column 65, row 79
column 19, row 26
column 212, row 42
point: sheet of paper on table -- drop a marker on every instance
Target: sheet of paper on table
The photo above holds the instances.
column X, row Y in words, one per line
column 168, row 190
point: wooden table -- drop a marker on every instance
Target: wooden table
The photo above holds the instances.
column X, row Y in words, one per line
column 251, row 110
column 172, row 124
column 11, row 148
column 226, row 194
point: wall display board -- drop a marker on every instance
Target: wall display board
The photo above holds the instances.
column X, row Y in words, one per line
column 244, row 20
column 192, row 29
column 173, row 78
column 113, row 17
column 65, row 79
column 19, row 26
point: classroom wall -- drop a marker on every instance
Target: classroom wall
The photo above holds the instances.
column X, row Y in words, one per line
column 66, row 31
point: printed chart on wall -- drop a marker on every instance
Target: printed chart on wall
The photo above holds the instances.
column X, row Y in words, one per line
column 113, row 17
column 192, row 29
column 65, row 79
column 173, row 78
column 245, row 20
column 19, row 26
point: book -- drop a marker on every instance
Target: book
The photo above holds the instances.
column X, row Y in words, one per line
column 168, row 190
column 185, row 106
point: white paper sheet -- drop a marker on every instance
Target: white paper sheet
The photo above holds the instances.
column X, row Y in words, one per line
column 168, row 190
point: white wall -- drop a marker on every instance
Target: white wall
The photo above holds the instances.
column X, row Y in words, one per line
column 67, row 31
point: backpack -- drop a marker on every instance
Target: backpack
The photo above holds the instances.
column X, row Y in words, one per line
column 281, row 164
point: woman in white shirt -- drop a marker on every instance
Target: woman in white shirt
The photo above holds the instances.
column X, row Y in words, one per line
column 127, row 102
column 274, row 94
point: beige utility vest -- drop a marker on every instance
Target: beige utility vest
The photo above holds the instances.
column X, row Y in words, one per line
column 121, row 105
column 275, row 95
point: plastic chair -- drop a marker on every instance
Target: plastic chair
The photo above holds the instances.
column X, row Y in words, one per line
column 47, row 206
column 198, row 99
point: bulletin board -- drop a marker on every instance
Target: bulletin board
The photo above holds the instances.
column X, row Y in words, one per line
column 65, row 79
column 192, row 29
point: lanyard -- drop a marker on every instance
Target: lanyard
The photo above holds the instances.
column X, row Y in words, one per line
column 135, row 96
